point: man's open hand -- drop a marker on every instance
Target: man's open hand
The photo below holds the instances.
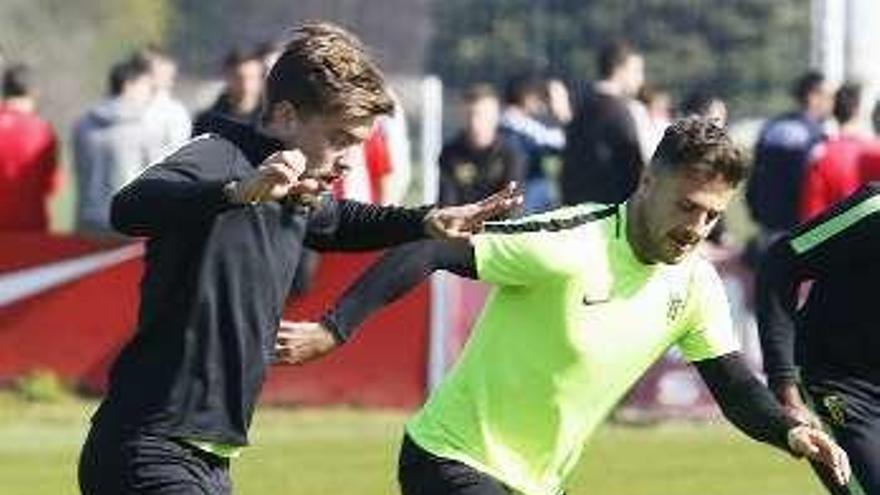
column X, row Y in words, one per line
column 299, row 342
column 459, row 222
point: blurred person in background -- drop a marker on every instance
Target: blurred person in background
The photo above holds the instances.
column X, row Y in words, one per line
column 166, row 113
column 603, row 157
column 833, row 172
column 705, row 103
column 521, row 122
column 781, row 156
column 29, row 169
column 113, row 143
column 269, row 51
column 478, row 160
column 652, row 112
column 389, row 156
column 240, row 100
column 875, row 118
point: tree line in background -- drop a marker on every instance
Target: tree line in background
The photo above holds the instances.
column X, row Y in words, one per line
column 748, row 51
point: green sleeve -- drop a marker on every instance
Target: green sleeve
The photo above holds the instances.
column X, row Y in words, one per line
column 520, row 259
column 708, row 328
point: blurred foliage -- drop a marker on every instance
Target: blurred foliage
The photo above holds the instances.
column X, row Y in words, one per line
column 77, row 40
column 396, row 30
column 41, row 386
column 747, row 50
column 71, row 45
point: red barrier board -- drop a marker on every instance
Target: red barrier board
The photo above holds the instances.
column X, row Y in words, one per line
column 69, row 304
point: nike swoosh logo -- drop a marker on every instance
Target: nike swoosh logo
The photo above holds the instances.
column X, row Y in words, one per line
column 592, row 302
column 21, row 284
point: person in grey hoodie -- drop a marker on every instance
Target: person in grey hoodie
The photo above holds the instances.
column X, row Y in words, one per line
column 112, row 144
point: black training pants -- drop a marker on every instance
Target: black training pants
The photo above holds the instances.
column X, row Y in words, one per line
column 112, row 463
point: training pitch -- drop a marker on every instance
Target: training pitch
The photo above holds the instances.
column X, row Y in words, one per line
column 347, row 451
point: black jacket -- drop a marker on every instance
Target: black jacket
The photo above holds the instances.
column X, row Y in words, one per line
column 215, row 283
column 602, row 159
column 835, row 333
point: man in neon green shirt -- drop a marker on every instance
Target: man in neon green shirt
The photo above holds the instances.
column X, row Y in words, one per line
column 586, row 298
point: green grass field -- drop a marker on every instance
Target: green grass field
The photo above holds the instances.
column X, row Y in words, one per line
column 321, row 452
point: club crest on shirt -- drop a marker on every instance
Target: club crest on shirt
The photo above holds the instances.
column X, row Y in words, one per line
column 465, row 173
column 836, row 408
column 674, row 307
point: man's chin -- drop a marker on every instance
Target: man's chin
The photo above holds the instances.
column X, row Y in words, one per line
column 675, row 255
column 306, row 199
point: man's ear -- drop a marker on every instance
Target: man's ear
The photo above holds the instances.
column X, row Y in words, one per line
column 646, row 181
column 283, row 112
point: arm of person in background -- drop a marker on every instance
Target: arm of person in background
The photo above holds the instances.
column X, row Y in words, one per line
column 751, row 407
column 515, row 163
column 559, row 101
column 847, row 232
column 395, row 184
column 627, row 143
column 188, row 189
column 353, row 226
column 53, row 174
column 448, row 188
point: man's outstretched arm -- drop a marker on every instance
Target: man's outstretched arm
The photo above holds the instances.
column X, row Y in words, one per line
column 353, row 226
column 751, row 407
column 393, row 275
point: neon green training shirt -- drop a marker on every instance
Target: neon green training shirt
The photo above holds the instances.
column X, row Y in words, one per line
column 573, row 321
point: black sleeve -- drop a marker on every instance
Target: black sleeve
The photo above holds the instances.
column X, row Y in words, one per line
column 516, row 165
column 185, row 190
column 745, row 401
column 846, row 234
column 353, row 226
column 392, row 276
column 448, row 188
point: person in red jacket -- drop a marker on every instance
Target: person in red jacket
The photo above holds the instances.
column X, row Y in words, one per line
column 834, row 171
column 29, row 171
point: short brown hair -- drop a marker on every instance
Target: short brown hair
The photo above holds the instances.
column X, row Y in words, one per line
column 477, row 92
column 847, row 100
column 326, row 69
column 701, row 143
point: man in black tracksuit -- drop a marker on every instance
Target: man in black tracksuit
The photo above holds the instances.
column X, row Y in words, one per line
column 834, row 337
column 602, row 161
column 226, row 219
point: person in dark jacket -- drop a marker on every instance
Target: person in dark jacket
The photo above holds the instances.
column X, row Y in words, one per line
column 782, row 153
column 824, row 352
column 226, row 219
column 603, row 157
column 479, row 159
column 113, row 142
column 243, row 73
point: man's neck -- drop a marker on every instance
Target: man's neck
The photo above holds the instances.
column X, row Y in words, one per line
column 814, row 115
column 244, row 107
column 851, row 129
column 609, row 87
column 21, row 104
column 634, row 230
